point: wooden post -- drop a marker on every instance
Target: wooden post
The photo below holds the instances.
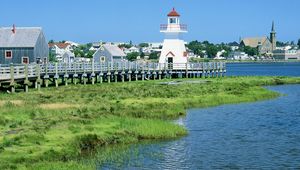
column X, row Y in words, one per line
column 136, row 72
column 38, row 81
column 12, row 78
column 108, row 77
column 123, row 73
column 101, row 77
column 101, row 73
column 159, row 71
column 186, row 71
column 66, row 76
column 75, row 75
column 93, row 72
column 26, row 82
column 129, row 72
column 93, row 78
column 108, row 73
column 116, row 77
column 123, row 77
column 143, row 73
column 129, row 75
column 56, row 77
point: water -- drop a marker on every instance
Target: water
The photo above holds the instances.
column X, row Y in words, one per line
column 264, row 69
column 261, row 135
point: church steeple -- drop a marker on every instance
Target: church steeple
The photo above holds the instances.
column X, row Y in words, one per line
column 273, row 27
column 273, row 37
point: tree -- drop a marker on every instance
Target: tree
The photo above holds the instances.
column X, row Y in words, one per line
column 51, row 42
column 78, row 52
column 210, row 49
column 125, row 46
column 250, row 50
column 142, row 45
column 142, row 55
column 90, row 54
column 132, row 56
column 154, row 56
column 298, row 43
column 280, row 44
column 52, row 57
column 292, row 43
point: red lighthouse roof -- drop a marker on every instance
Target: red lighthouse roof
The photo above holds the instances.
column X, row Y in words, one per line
column 173, row 13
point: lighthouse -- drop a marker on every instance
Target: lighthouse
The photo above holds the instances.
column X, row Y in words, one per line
column 174, row 51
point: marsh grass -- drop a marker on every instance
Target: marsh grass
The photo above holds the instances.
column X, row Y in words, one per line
column 56, row 128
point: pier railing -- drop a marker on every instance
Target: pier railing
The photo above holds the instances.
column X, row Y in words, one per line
column 32, row 70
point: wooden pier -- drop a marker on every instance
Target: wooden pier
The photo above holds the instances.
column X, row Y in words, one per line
column 55, row 74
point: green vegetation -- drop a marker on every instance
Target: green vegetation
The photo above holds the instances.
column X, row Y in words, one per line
column 154, row 56
column 83, row 51
column 57, row 128
column 142, row 45
column 208, row 49
column 249, row 50
column 132, row 56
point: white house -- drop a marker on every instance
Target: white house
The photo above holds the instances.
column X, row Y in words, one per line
column 59, row 49
column 133, row 49
column 68, row 57
column 220, row 53
column 237, row 55
column 73, row 44
column 156, row 45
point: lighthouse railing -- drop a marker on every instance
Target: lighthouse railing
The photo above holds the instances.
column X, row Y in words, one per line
column 173, row 27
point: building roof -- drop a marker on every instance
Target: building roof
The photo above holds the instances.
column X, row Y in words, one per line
column 23, row 36
column 114, row 50
column 173, row 13
column 68, row 54
column 254, row 41
column 59, row 45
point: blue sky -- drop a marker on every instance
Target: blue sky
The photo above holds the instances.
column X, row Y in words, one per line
column 139, row 20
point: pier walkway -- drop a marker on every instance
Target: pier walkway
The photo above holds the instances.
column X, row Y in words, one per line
column 37, row 75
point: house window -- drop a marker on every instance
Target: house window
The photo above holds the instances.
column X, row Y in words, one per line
column 25, row 60
column 8, row 54
column 102, row 59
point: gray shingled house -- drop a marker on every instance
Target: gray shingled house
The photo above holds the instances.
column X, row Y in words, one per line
column 23, row 45
column 109, row 53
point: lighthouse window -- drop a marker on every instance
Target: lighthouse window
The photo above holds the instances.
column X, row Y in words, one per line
column 173, row 21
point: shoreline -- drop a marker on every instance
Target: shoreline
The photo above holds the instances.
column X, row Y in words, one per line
column 102, row 115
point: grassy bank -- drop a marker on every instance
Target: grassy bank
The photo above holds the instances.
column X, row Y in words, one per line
column 54, row 128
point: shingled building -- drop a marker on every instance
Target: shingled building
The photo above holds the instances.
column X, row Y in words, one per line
column 23, row 45
column 265, row 45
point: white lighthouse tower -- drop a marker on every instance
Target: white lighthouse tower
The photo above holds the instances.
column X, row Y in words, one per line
column 173, row 51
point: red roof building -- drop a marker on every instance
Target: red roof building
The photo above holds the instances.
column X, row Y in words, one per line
column 173, row 13
column 59, row 45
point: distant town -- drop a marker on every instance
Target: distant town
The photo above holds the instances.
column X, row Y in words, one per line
column 24, row 45
column 265, row 48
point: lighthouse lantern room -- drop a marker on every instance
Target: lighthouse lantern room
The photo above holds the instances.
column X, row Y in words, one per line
column 174, row 51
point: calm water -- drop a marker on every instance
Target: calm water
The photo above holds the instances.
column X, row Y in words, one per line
column 264, row 69
column 260, row 135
